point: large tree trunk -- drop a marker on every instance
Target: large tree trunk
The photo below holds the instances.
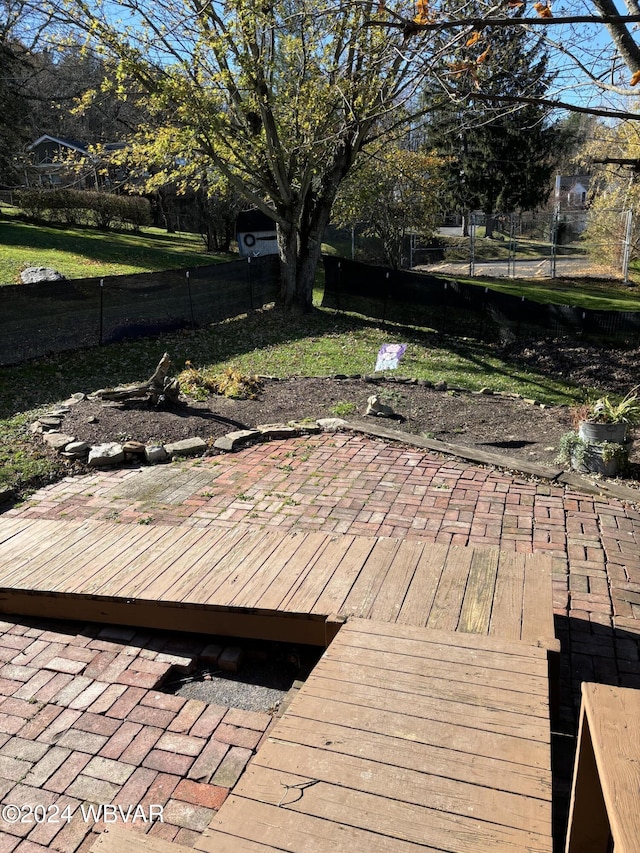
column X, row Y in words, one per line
column 300, row 247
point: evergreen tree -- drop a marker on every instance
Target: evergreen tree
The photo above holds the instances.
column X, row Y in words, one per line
column 498, row 159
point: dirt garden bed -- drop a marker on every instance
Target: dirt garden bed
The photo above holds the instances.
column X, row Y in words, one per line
column 491, row 422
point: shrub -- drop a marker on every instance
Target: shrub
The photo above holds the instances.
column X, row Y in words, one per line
column 85, row 207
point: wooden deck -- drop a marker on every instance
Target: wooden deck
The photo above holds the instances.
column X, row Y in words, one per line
column 402, row 739
column 297, row 587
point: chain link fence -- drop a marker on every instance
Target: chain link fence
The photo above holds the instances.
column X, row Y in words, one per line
column 562, row 244
column 39, row 319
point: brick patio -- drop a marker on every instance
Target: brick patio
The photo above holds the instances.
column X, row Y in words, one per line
column 81, row 723
column 358, row 485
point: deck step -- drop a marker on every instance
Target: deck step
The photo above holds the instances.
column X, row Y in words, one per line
column 402, row 740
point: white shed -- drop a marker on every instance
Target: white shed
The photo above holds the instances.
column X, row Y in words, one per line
column 256, row 234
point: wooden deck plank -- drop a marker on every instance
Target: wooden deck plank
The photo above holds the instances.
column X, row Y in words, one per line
column 180, row 541
column 337, row 588
column 249, row 593
column 506, row 613
column 467, row 673
column 111, row 578
column 442, row 708
column 13, row 526
column 407, row 654
column 467, row 740
column 21, row 539
column 275, row 583
column 424, row 583
column 371, row 577
column 447, row 603
column 389, row 817
column 304, row 596
column 537, row 617
column 178, row 573
column 417, row 787
column 478, row 596
column 201, row 561
column 34, row 556
column 271, row 825
column 79, row 565
column 222, row 587
column 436, row 683
column 520, row 779
column 388, row 602
column 480, row 642
column 280, row 588
column 130, row 578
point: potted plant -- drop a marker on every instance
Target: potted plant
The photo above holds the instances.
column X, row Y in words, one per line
column 604, row 420
column 606, row 458
column 600, row 444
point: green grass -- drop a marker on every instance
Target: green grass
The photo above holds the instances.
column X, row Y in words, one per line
column 271, row 341
column 88, row 252
column 597, row 294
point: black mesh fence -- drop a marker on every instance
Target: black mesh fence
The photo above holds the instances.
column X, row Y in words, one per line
column 399, row 296
column 37, row 319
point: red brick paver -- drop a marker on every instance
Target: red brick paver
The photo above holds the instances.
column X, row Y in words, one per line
column 134, row 750
column 331, row 483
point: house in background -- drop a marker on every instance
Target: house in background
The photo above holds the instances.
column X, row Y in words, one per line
column 256, row 234
column 572, row 191
column 53, row 162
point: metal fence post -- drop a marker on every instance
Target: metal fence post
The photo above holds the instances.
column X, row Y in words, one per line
column 626, row 248
column 472, row 245
column 188, row 277
column 554, row 243
column 101, row 309
column 511, row 257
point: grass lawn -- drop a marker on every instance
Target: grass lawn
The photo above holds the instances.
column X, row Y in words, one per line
column 271, row 341
column 87, row 252
column 597, row 294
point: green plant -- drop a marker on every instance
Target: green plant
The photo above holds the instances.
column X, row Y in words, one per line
column 605, row 411
column 342, row 409
column 200, row 383
column 571, row 450
column 574, row 451
column 610, row 450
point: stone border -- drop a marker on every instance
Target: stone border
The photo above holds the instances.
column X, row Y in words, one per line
column 111, row 454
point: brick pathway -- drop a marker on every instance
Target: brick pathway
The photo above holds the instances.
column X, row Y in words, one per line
column 354, row 484
column 81, row 724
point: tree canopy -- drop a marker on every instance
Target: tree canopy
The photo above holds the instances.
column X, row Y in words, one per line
column 279, row 98
column 496, row 159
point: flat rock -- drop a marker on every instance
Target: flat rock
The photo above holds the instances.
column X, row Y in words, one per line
column 102, row 455
column 331, row 424
column 76, row 449
column 310, row 428
column 74, row 399
column 233, row 440
column 186, row 447
column 135, row 447
column 277, row 431
column 57, row 440
column 50, row 422
column 155, row 453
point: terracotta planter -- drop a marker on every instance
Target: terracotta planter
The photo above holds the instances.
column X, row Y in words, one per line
column 593, row 433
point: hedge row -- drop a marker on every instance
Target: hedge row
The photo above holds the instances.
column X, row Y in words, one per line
column 84, row 207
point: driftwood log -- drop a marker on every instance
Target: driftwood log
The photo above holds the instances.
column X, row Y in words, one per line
column 157, row 390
